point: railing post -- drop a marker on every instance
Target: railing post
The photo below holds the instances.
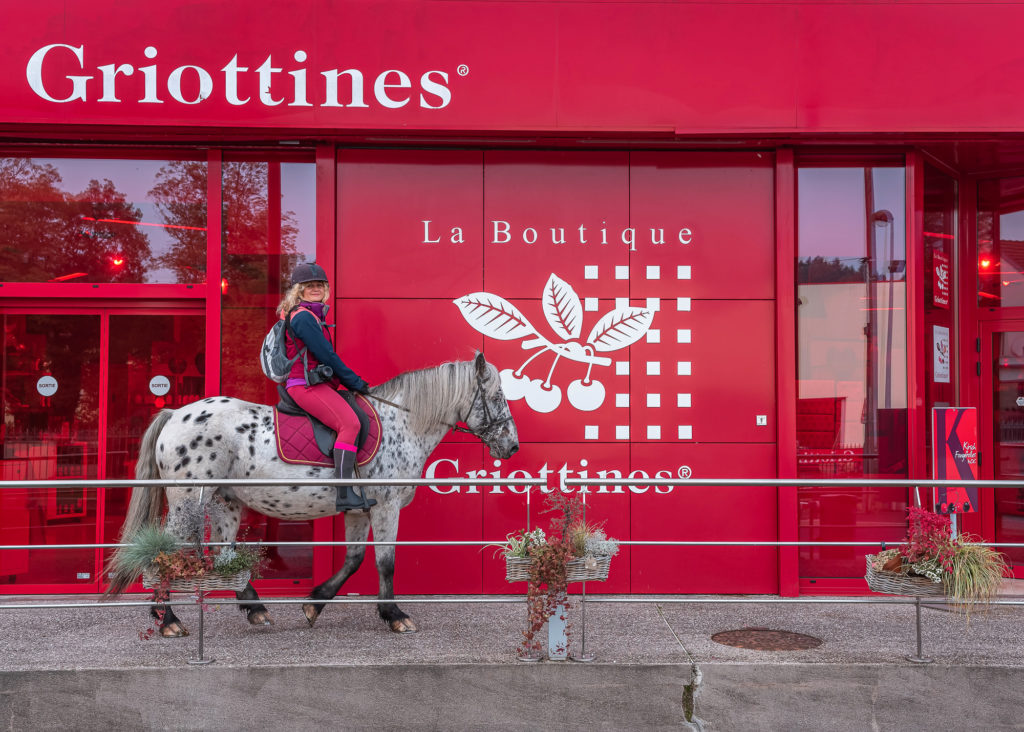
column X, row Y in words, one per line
column 917, row 611
column 200, row 660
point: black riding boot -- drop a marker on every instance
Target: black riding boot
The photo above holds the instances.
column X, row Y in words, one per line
column 348, row 497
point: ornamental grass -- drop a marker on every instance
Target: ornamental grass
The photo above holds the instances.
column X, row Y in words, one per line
column 971, row 573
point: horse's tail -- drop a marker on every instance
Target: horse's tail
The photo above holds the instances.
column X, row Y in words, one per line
column 145, row 505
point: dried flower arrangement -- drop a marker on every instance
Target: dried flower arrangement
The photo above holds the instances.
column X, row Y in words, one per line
column 573, row 549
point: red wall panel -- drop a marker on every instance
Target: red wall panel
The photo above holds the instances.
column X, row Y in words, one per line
column 614, row 364
column 535, row 192
column 712, row 369
column 726, row 200
column 451, row 513
column 384, row 198
column 506, row 511
column 696, row 513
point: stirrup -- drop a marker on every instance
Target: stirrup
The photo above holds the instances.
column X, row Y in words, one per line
column 348, row 499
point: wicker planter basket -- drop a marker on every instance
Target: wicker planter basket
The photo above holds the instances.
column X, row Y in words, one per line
column 581, row 569
column 893, row 583
column 206, row 583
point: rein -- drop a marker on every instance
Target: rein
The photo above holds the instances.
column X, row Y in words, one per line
column 490, row 423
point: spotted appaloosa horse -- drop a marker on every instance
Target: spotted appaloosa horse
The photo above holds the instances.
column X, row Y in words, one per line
column 223, row 438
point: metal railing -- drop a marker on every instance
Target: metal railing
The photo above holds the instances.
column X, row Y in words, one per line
column 584, row 486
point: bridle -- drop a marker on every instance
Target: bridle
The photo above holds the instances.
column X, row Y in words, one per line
column 490, row 421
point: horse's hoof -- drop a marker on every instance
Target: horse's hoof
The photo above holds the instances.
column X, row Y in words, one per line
column 403, row 625
column 173, row 630
column 260, row 617
column 311, row 614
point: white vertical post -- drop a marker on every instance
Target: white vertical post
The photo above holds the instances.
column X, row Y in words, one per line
column 558, row 638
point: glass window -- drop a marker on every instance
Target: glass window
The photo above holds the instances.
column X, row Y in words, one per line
column 1008, row 444
column 142, row 347
column 1001, row 242
column 851, row 358
column 940, row 227
column 269, row 226
column 102, row 220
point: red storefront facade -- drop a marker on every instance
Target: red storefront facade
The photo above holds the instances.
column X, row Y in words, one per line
column 812, row 233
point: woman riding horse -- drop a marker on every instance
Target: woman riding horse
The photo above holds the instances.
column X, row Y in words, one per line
column 315, row 377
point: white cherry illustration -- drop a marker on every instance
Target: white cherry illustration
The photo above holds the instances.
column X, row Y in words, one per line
column 585, row 394
column 496, row 317
column 543, row 397
column 515, row 385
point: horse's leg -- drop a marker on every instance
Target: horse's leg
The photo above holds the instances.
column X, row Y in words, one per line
column 385, row 528
column 226, row 529
column 170, row 625
column 357, row 528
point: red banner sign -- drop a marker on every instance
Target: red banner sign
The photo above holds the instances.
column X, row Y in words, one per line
column 955, row 457
column 668, row 68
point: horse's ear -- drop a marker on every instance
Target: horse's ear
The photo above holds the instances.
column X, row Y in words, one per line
column 481, row 365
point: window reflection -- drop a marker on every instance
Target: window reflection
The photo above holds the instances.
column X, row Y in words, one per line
column 940, row 228
column 851, row 360
column 92, row 220
column 1001, row 243
column 269, row 226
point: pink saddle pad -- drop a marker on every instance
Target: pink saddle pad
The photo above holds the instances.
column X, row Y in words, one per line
column 295, row 443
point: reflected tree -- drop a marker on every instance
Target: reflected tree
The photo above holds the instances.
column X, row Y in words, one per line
column 47, row 234
column 811, row 270
column 180, row 196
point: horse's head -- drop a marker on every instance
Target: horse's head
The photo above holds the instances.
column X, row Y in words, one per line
column 489, row 417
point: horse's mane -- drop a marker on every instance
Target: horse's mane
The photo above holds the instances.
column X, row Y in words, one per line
column 429, row 393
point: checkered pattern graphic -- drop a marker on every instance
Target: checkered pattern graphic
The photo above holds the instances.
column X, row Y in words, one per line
column 658, row 404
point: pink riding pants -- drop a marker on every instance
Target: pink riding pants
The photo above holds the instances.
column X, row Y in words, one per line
column 327, row 405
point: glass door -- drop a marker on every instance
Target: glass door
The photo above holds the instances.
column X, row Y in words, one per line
column 50, row 377
column 155, row 360
column 1002, row 430
column 79, row 389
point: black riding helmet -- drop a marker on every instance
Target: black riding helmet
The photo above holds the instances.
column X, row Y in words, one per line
column 308, row 272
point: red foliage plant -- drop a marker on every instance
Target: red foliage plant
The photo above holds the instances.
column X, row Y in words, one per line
column 547, row 587
column 928, row 537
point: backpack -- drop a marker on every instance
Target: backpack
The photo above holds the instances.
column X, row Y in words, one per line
column 274, row 356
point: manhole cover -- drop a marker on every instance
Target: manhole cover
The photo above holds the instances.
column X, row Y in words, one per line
column 763, row 639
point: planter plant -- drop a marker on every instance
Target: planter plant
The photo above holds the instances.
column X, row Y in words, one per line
column 572, row 550
column 932, row 562
column 169, row 565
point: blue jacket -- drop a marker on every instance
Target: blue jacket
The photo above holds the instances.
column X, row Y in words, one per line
column 312, row 333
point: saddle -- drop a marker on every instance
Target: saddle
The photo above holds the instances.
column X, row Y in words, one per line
column 304, row 440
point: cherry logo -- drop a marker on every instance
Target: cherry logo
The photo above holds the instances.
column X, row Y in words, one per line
column 497, row 318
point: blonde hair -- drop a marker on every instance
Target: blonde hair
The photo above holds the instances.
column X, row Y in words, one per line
column 293, row 297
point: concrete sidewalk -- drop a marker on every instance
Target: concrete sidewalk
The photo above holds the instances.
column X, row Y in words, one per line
column 460, row 671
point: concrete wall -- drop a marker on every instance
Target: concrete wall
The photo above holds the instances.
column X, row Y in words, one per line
column 524, row 696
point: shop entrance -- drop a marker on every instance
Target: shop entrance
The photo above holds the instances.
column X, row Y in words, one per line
column 79, row 387
column 1002, row 427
